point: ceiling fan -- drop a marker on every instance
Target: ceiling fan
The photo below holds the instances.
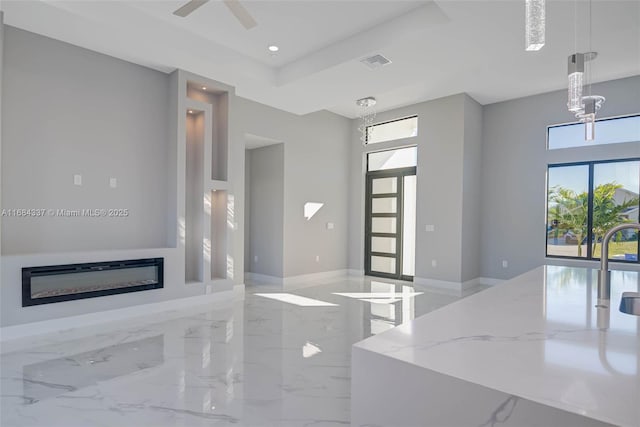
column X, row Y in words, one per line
column 234, row 6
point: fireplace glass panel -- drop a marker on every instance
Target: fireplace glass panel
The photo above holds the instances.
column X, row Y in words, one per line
column 96, row 280
column 47, row 284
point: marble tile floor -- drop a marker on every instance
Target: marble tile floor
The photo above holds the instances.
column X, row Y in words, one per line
column 254, row 361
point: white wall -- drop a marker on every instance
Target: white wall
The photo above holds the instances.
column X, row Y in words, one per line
column 266, row 214
column 223, row 159
column 195, row 142
column 12, row 312
column 73, row 111
column 514, row 161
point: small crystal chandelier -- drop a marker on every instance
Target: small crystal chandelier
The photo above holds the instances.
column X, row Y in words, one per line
column 367, row 114
column 534, row 24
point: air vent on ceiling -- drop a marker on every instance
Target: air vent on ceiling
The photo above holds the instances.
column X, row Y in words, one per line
column 375, row 61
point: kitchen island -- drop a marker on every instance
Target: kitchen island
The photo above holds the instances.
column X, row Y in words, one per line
column 532, row 351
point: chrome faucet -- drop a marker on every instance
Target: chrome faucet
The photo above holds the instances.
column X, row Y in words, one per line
column 604, row 287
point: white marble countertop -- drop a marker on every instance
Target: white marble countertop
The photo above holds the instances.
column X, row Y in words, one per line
column 536, row 336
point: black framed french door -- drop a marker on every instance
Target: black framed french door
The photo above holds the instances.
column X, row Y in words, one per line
column 384, row 222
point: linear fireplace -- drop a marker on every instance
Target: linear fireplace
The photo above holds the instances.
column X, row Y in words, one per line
column 44, row 285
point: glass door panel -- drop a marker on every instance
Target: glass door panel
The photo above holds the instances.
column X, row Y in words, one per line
column 385, row 223
column 385, row 185
column 383, row 264
column 383, row 244
column 386, row 205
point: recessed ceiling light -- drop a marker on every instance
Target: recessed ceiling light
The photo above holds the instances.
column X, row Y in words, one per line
column 204, row 88
column 273, row 48
column 190, row 111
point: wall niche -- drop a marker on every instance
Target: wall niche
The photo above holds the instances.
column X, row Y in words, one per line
column 219, row 102
column 207, row 201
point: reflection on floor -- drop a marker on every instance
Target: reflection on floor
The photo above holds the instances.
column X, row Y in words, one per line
column 256, row 361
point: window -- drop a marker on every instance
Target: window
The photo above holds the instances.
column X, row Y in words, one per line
column 608, row 131
column 396, row 129
column 392, row 159
column 584, row 200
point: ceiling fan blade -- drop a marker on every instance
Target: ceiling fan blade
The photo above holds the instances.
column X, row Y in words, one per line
column 189, row 7
column 241, row 13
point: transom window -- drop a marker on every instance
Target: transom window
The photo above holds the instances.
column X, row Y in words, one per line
column 608, row 131
column 395, row 129
column 392, row 159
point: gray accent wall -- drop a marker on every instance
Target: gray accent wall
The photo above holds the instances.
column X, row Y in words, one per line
column 439, row 188
column 316, row 171
column 316, row 165
column 74, row 111
column 472, row 191
column 482, row 180
column 265, row 209
column 514, row 161
column 91, row 114
column 66, row 110
column 1, row 79
column 247, row 211
column 445, row 189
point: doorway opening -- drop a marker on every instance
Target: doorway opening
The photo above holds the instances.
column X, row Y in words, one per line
column 264, row 209
column 390, row 214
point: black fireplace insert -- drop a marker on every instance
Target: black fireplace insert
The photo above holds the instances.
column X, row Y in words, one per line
column 55, row 283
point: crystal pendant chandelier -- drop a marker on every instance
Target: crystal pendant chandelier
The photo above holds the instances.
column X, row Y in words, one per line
column 576, row 81
column 591, row 104
column 583, row 106
column 534, row 24
column 367, row 114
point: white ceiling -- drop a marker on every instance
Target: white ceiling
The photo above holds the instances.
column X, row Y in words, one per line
column 436, row 48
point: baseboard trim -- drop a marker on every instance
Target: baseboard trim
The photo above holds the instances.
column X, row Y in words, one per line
column 437, row 284
column 355, row 273
column 263, row 279
column 297, row 282
column 455, row 286
column 238, row 291
column 28, row 330
column 489, row 281
column 314, row 278
column 471, row 283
